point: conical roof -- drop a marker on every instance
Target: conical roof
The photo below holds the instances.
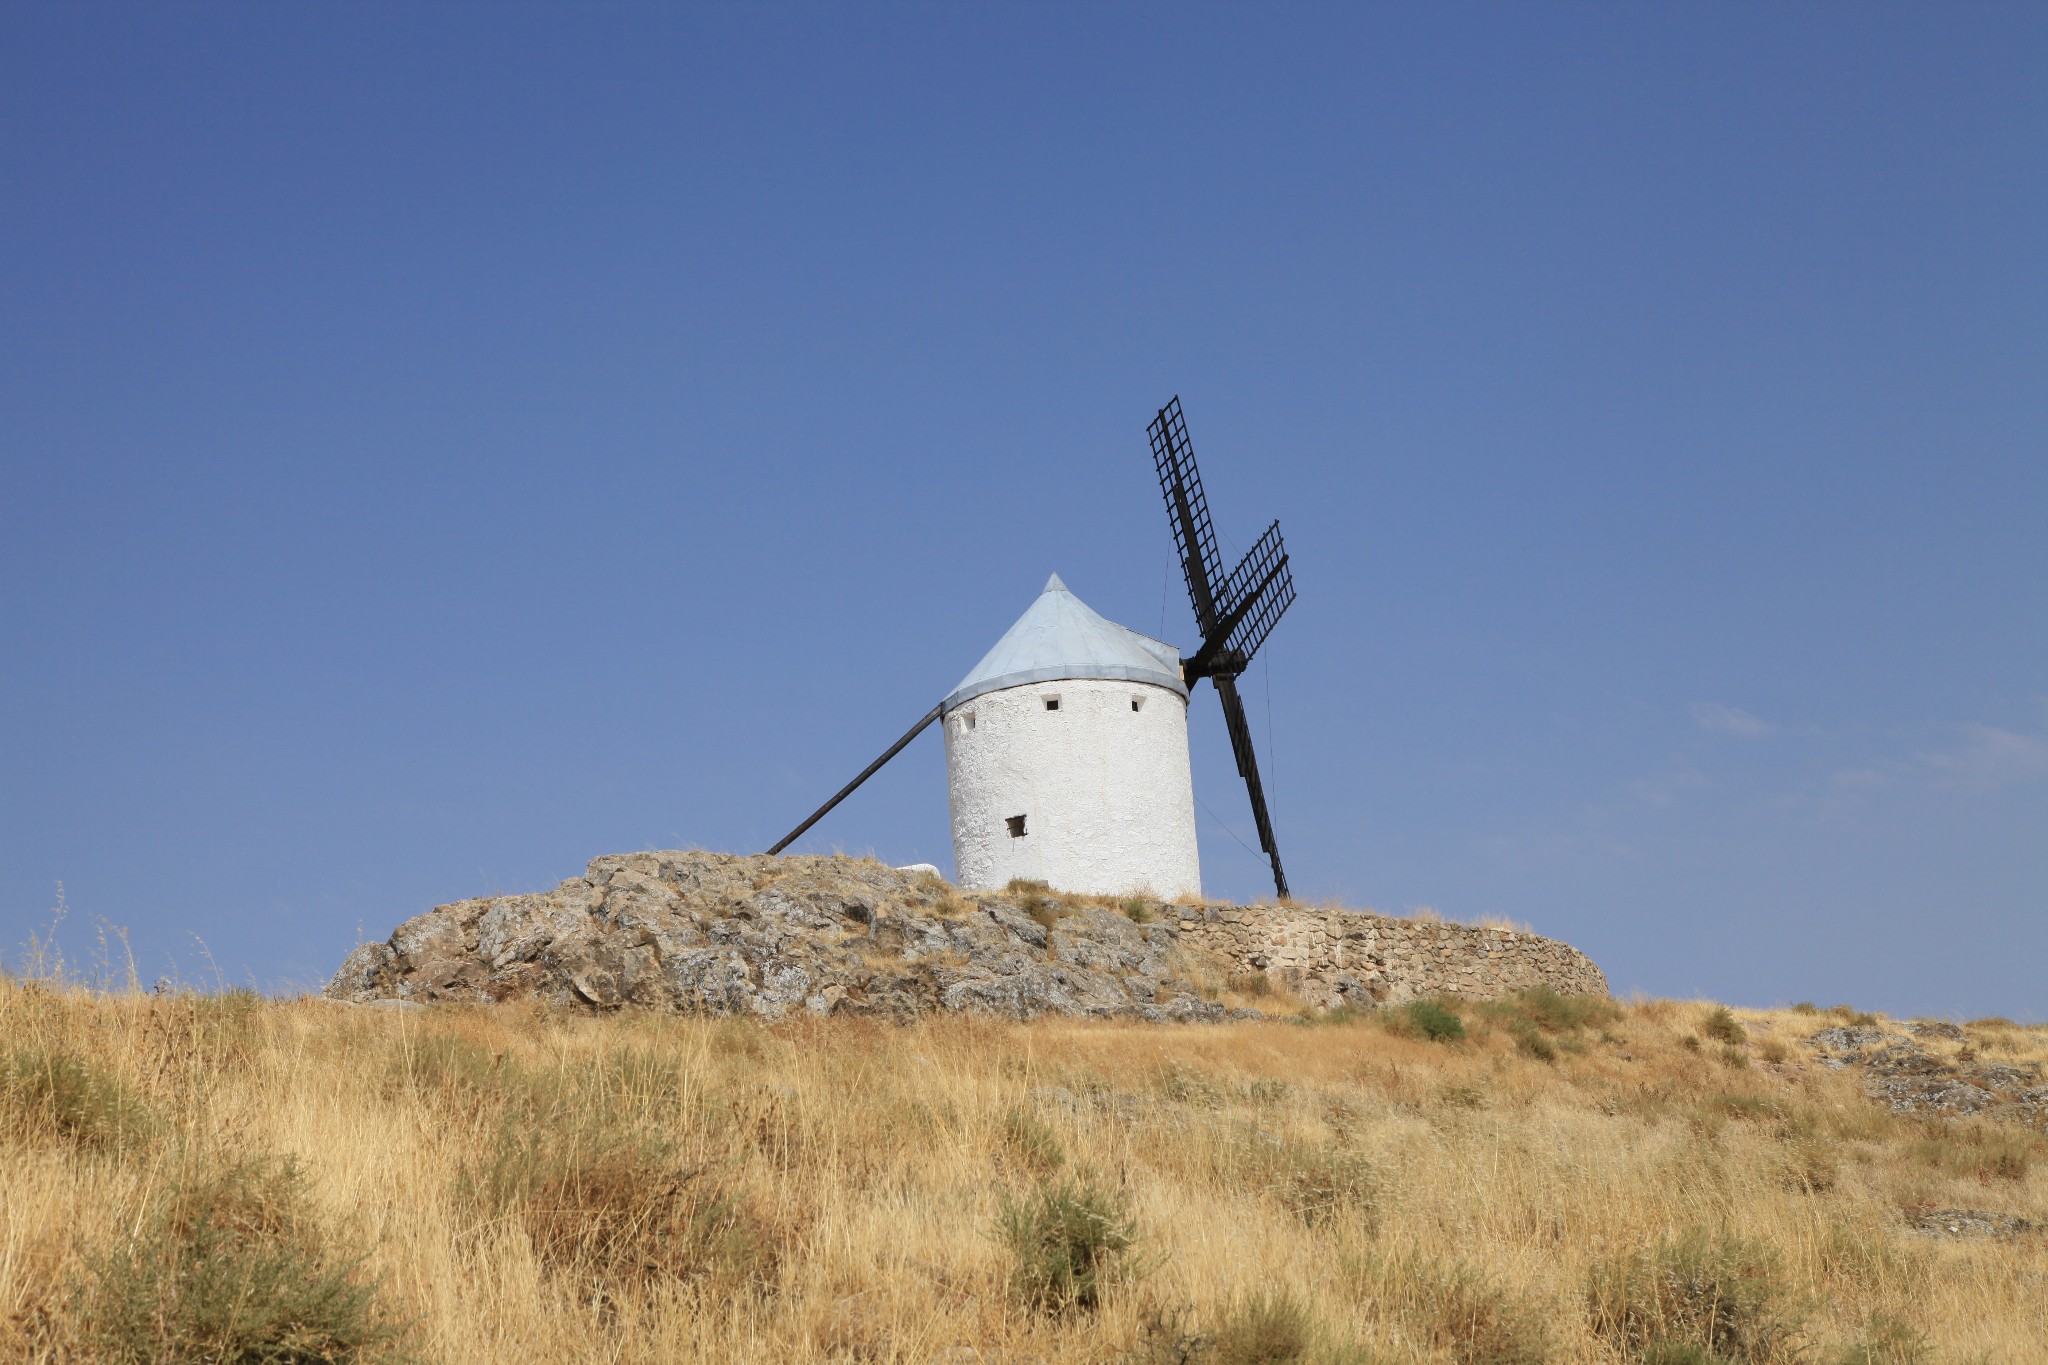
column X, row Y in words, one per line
column 1060, row 636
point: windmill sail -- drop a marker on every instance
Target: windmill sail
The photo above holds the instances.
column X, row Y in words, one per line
column 1235, row 612
column 1188, row 510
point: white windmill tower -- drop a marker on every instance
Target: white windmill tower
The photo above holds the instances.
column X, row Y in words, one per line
column 1067, row 758
column 1067, row 745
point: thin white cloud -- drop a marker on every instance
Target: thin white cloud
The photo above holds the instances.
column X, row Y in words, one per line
column 1665, row 788
column 1728, row 720
column 1990, row 757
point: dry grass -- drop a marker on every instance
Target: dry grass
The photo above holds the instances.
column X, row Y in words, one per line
column 1566, row 1182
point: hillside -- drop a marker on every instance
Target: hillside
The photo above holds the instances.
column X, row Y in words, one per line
column 189, row 1177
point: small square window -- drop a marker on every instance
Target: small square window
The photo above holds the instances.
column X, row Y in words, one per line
column 966, row 721
column 1016, row 824
column 1137, row 703
column 1052, row 703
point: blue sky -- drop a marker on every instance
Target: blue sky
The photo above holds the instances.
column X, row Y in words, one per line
column 441, row 444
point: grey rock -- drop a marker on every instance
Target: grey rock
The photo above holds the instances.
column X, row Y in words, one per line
column 1849, row 1040
column 775, row 938
column 1968, row 1223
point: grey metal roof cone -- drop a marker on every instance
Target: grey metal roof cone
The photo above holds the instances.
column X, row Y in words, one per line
column 1060, row 636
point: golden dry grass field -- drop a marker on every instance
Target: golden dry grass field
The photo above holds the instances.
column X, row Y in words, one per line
column 194, row 1177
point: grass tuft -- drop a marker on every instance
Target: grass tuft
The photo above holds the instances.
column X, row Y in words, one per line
column 65, row 1098
column 1696, row 1297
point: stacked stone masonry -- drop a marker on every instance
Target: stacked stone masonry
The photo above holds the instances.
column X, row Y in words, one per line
column 1351, row 957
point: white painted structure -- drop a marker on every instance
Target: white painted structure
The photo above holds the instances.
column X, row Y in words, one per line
column 1067, row 758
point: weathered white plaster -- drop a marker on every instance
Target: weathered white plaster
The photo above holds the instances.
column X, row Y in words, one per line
column 1104, row 789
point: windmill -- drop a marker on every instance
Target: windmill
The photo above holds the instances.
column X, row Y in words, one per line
column 1234, row 612
column 1067, row 745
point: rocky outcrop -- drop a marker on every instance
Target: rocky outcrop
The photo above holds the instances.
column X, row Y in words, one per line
column 1908, row 1076
column 771, row 937
column 1337, row 957
column 720, row 934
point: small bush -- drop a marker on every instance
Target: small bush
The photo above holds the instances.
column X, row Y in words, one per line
column 1460, row 1311
column 232, row 1268
column 1069, row 1242
column 1138, row 910
column 1554, row 1012
column 1722, row 1026
column 1886, row 1340
column 1732, row 1056
column 62, row 1097
column 1773, row 1051
column 1851, row 1015
column 1032, row 1142
column 1321, row 1182
column 1431, row 1019
column 1716, row 1299
column 1265, row 1329
column 1691, row 1043
column 1806, row 1007
column 1531, row 1043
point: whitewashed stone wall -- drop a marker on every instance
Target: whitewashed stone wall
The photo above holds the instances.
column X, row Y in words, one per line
column 1337, row 957
column 1104, row 789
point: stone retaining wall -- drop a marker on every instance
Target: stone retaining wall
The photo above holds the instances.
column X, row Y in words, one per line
column 1339, row 957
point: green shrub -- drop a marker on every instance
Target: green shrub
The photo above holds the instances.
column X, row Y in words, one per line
column 1032, row 1142
column 1460, row 1311
column 1138, row 910
column 1264, row 1329
column 1254, row 984
column 1806, row 1007
column 1722, row 1026
column 1555, row 1012
column 1715, row 1298
column 66, row 1098
column 1530, row 1042
column 1069, row 1242
column 231, row 1267
column 1886, row 1340
column 1431, row 1019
